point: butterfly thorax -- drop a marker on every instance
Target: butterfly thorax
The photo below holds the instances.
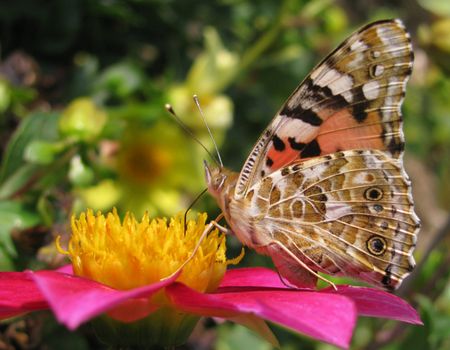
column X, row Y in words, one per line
column 237, row 211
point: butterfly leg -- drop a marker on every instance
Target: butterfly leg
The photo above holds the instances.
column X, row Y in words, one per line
column 221, row 228
column 213, row 224
column 301, row 263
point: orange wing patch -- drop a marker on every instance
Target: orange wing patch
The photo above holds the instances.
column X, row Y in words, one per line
column 343, row 132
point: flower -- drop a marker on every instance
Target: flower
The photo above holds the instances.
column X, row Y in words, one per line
column 117, row 272
column 154, row 172
column 130, row 254
column 210, row 74
column 82, row 120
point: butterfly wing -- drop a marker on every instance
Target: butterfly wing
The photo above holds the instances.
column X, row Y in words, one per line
column 349, row 213
column 351, row 100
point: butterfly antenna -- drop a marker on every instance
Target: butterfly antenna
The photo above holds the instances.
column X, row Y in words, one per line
column 186, row 129
column 190, row 207
column 209, row 130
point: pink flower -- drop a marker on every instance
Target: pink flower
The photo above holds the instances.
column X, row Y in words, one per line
column 248, row 296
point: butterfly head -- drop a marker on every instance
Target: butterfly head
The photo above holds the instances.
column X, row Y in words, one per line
column 215, row 178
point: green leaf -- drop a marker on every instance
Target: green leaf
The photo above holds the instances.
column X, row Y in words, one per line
column 121, row 80
column 14, row 215
column 5, row 95
column 79, row 173
column 42, row 126
column 55, row 336
column 17, row 180
column 82, row 120
column 45, row 209
column 239, row 337
column 6, row 261
column 436, row 324
column 41, row 152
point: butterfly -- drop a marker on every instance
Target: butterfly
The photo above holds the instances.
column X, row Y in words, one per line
column 324, row 188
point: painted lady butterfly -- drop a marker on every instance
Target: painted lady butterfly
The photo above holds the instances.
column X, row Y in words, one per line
column 324, row 188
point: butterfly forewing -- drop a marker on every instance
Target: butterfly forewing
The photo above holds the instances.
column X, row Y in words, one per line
column 351, row 100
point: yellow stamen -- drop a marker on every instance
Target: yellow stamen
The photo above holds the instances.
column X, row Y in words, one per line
column 237, row 259
column 60, row 249
column 131, row 254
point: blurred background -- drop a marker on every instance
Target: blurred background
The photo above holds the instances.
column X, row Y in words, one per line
column 83, row 85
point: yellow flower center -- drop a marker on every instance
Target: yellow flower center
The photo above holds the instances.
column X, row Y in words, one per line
column 143, row 162
column 130, row 254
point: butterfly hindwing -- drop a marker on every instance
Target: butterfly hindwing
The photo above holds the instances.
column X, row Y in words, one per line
column 351, row 100
column 350, row 213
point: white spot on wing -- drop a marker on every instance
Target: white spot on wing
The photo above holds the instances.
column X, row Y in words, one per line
column 358, row 45
column 385, row 34
column 376, row 54
column 330, row 76
column 342, row 86
column 337, row 210
column 318, row 71
column 337, row 82
column 314, row 171
column 371, row 90
column 301, row 131
column 348, row 95
column 379, row 69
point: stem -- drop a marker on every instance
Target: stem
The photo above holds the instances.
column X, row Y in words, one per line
column 266, row 40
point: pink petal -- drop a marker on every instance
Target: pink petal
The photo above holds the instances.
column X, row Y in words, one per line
column 327, row 317
column 66, row 269
column 377, row 303
column 252, row 277
column 75, row 300
column 369, row 301
column 19, row 294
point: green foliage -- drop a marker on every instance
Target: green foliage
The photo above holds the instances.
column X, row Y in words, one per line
column 239, row 337
column 39, row 126
column 83, row 85
column 13, row 216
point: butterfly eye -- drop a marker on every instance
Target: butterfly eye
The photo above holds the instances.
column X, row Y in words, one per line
column 376, row 245
column 220, row 181
column 373, row 194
